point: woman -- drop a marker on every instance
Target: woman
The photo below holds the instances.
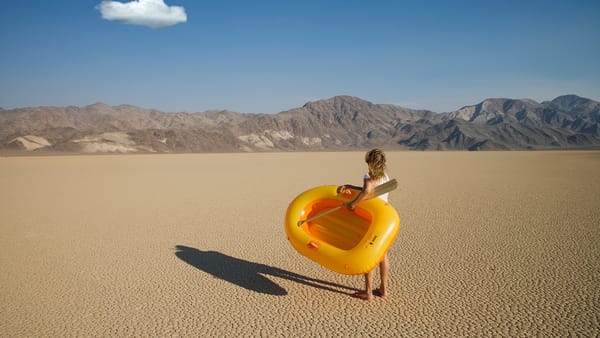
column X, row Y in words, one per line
column 376, row 176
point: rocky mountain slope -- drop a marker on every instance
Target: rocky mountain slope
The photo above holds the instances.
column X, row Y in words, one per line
column 566, row 122
column 338, row 123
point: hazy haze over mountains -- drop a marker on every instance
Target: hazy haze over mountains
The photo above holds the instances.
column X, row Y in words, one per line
column 338, row 123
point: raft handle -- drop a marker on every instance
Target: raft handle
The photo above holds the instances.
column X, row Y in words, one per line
column 313, row 245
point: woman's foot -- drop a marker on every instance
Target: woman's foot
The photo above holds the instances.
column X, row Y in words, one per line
column 380, row 293
column 362, row 295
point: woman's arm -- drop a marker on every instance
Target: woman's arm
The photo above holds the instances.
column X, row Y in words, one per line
column 365, row 191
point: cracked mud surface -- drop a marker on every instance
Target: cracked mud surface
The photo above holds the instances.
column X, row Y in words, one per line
column 492, row 243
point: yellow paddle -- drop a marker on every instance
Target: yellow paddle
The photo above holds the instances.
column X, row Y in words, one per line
column 378, row 191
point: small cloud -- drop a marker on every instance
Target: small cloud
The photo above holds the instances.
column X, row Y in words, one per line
column 150, row 13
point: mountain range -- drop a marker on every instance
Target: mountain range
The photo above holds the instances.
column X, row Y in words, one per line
column 338, row 123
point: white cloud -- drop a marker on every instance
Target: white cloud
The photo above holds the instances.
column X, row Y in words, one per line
column 151, row 13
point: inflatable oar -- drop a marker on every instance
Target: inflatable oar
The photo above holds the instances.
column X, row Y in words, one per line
column 378, row 191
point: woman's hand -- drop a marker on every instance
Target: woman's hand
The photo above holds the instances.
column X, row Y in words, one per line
column 344, row 189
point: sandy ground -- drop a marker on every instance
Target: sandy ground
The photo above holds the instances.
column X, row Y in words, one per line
column 491, row 243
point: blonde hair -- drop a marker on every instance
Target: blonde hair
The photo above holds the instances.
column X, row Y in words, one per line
column 375, row 159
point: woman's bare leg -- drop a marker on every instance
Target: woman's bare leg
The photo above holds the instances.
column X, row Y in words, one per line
column 369, row 283
column 368, row 293
column 384, row 269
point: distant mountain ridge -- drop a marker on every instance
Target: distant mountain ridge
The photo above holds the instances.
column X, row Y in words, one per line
column 337, row 123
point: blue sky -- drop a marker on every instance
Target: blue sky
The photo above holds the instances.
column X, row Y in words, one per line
column 270, row 56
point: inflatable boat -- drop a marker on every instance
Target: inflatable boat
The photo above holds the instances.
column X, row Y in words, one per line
column 350, row 242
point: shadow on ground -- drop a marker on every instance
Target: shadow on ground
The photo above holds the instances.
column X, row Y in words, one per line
column 249, row 275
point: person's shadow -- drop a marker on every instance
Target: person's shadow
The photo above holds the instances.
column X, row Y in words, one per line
column 249, row 275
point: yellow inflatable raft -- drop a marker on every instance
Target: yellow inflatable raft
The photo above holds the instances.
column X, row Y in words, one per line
column 348, row 242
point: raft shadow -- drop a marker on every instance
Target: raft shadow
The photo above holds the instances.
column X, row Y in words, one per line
column 249, row 275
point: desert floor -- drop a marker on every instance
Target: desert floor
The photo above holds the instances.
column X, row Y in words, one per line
column 491, row 243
